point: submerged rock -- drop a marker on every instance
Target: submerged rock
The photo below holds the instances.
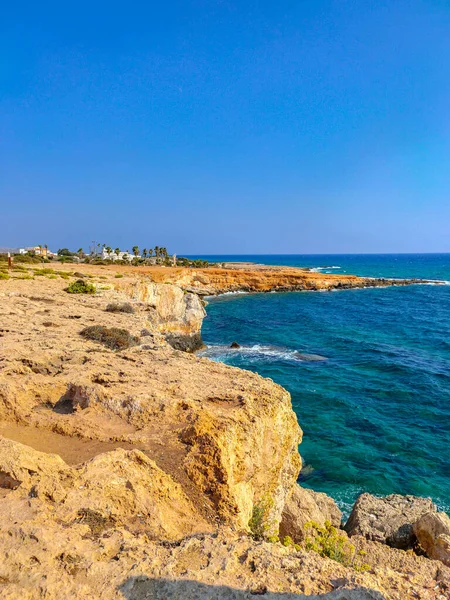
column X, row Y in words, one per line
column 389, row 519
column 433, row 534
column 311, row 357
column 304, row 505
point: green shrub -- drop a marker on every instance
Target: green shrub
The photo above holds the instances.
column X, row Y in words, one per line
column 4, row 275
column 327, row 541
column 112, row 337
column 118, row 275
column 80, row 287
column 260, row 523
column 26, row 258
column 117, row 307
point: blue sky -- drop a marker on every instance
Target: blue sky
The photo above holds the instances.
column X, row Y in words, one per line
column 307, row 126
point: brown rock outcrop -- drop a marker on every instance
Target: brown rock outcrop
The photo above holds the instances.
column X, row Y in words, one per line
column 433, row 534
column 389, row 519
column 172, row 311
column 304, row 505
column 259, row 278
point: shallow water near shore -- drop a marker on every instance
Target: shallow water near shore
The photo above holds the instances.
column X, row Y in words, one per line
column 368, row 371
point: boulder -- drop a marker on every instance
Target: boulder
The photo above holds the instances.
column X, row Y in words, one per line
column 433, row 534
column 305, row 505
column 388, row 519
column 235, row 345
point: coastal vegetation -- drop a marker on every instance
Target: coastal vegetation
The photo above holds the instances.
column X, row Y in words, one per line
column 103, row 254
column 260, row 522
column 120, row 307
column 80, row 287
column 329, row 542
column 112, row 337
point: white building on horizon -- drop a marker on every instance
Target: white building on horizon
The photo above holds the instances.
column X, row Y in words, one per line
column 105, row 255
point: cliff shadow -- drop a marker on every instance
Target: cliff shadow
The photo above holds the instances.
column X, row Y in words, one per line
column 145, row 588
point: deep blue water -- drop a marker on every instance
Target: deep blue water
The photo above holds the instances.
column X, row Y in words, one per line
column 376, row 412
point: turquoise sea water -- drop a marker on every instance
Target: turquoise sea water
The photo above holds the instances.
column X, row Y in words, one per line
column 376, row 412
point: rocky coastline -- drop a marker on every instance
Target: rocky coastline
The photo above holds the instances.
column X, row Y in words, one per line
column 259, row 278
column 131, row 468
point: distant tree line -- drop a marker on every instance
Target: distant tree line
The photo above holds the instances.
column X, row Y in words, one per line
column 151, row 256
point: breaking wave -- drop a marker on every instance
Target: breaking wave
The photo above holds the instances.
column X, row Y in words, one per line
column 258, row 353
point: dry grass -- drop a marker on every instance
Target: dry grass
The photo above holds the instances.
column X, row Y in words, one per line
column 118, row 307
column 112, row 337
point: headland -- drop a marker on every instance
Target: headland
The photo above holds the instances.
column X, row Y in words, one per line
column 130, row 468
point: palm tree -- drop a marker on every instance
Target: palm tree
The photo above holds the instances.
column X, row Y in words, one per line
column 150, row 252
column 136, row 250
column 117, row 251
column 80, row 252
column 108, row 250
column 144, row 252
column 157, row 253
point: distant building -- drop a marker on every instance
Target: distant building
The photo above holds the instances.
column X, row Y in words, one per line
column 37, row 250
column 104, row 255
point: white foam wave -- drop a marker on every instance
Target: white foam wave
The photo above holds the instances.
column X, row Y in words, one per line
column 259, row 352
column 319, row 269
column 237, row 292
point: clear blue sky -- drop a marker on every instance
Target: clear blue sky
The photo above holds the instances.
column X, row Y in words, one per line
column 226, row 126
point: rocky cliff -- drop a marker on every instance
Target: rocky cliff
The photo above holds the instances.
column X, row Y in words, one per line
column 211, row 281
column 228, row 436
column 145, row 472
column 170, row 310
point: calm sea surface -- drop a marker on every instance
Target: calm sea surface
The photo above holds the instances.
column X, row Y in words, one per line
column 375, row 409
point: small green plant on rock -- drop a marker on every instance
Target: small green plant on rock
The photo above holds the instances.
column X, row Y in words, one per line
column 80, row 287
column 289, row 542
column 260, row 523
column 329, row 542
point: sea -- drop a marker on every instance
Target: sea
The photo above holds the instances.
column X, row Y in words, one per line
column 368, row 370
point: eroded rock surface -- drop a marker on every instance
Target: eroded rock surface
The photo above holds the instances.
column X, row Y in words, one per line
column 228, row 437
column 433, row 534
column 389, row 519
column 172, row 311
